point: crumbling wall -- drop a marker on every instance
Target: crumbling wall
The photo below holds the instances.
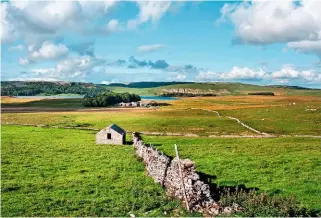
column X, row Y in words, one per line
column 156, row 163
column 197, row 192
column 166, row 172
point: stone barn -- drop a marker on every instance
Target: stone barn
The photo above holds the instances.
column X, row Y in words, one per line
column 112, row 134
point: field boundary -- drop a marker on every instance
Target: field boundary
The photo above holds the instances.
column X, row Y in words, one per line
column 180, row 179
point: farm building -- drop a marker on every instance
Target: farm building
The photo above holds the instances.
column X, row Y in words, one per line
column 112, row 134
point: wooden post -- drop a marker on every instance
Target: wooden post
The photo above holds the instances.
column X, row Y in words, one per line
column 182, row 179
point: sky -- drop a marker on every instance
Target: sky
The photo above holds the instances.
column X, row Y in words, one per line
column 257, row 42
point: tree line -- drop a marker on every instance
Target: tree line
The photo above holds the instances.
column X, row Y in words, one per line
column 18, row 88
column 109, row 98
column 180, row 94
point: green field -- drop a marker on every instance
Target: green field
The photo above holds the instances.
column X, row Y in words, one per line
column 57, row 172
column 173, row 121
column 286, row 166
column 62, row 172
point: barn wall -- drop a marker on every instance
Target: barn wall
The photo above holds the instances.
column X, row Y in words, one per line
column 116, row 138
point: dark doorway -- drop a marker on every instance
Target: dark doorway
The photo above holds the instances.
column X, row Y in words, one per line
column 108, row 135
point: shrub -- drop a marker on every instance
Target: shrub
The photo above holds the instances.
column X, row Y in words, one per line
column 109, row 98
column 261, row 93
column 262, row 204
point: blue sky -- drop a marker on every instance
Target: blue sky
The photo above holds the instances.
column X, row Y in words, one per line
column 272, row 42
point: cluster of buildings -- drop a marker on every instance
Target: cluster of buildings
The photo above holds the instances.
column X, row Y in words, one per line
column 133, row 104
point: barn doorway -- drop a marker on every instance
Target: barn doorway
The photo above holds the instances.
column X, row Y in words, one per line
column 108, row 135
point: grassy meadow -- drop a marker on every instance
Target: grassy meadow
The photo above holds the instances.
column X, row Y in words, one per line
column 62, row 172
column 283, row 166
column 59, row 172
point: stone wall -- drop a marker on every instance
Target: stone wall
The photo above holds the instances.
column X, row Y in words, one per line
column 166, row 172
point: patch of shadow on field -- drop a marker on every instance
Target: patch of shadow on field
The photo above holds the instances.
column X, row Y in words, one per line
column 217, row 191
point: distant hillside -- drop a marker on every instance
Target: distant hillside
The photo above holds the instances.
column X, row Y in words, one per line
column 147, row 84
column 201, row 89
column 16, row 88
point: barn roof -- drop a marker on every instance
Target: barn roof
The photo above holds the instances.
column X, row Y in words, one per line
column 117, row 129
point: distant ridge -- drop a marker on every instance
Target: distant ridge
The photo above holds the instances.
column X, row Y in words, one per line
column 291, row 87
column 147, row 84
column 31, row 88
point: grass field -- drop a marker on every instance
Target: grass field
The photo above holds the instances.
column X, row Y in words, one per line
column 61, row 172
column 57, row 172
column 278, row 115
column 286, row 166
column 175, row 121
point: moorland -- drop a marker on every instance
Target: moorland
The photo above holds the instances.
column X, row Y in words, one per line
column 51, row 165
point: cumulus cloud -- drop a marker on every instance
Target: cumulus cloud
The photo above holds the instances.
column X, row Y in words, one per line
column 286, row 73
column 150, row 48
column 34, row 20
column 206, row 76
column 47, row 51
column 237, row 73
column 266, row 22
column 73, row 67
column 244, row 73
column 286, row 20
column 149, row 11
column 289, row 72
column 306, row 46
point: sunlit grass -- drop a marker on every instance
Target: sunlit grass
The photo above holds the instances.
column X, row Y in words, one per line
column 282, row 166
column 58, row 172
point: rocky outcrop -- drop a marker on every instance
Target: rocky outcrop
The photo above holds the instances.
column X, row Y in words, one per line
column 193, row 92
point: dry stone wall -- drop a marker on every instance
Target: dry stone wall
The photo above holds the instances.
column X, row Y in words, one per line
column 166, row 172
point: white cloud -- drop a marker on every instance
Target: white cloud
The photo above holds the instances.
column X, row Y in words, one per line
column 75, row 67
column 243, row 74
column 16, row 48
column 264, row 22
column 207, row 76
column 47, row 51
column 150, row 48
column 149, row 11
column 288, row 72
column 39, row 20
column 306, row 46
column 237, row 73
